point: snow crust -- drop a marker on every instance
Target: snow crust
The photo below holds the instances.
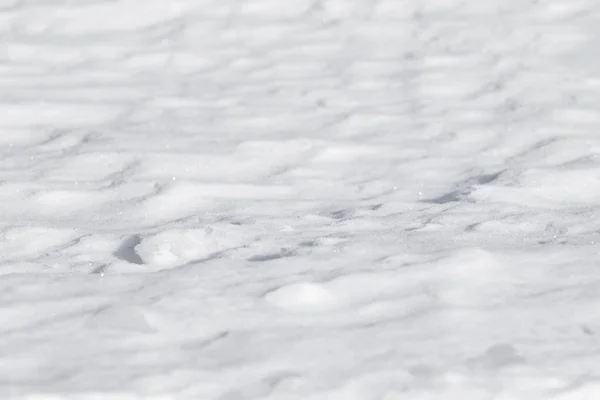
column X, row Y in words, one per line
column 312, row 199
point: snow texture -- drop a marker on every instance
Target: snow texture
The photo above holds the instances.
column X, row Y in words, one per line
column 311, row 199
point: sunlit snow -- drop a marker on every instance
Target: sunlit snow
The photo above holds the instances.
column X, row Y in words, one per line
column 308, row 199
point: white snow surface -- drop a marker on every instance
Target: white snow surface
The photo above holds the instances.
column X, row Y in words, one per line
column 310, row 199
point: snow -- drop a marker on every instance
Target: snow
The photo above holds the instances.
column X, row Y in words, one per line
column 324, row 199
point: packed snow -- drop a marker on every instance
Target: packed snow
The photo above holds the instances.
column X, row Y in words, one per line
column 309, row 199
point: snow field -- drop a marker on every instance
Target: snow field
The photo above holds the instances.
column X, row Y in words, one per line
column 353, row 200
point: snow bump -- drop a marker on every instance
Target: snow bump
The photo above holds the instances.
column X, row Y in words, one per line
column 303, row 297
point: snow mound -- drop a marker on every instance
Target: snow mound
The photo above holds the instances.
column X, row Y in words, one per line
column 176, row 247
